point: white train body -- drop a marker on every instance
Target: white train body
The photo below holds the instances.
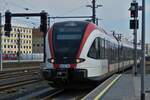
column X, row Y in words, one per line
column 78, row 51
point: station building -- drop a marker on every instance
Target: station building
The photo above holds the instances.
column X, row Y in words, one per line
column 10, row 45
column 37, row 41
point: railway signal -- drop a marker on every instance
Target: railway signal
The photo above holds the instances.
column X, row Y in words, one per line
column 134, row 9
column 134, row 14
column 7, row 27
column 43, row 26
column 134, row 25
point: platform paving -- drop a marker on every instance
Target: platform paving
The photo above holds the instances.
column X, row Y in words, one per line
column 127, row 87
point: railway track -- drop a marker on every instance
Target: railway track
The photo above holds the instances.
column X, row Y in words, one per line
column 23, row 83
column 28, row 84
column 12, row 79
column 18, row 73
column 73, row 94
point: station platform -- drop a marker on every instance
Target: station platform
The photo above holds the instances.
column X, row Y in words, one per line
column 120, row 87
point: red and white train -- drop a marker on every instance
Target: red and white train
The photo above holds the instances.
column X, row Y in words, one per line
column 79, row 51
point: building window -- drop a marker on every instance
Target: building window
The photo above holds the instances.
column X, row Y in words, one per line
column 38, row 45
column 5, row 46
column 11, row 46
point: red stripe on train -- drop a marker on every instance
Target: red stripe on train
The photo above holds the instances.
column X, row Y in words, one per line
column 90, row 27
column 50, row 36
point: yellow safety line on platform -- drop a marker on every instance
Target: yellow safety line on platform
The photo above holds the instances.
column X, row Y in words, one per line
column 105, row 90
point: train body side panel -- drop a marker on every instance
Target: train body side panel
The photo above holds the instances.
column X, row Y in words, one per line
column 95, row 67
column 48, row 52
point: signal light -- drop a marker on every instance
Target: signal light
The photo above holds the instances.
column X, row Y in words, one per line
column 134, row 24
column 134, row 9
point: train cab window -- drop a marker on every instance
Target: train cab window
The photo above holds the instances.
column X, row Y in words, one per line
column 67, row 37
column 94, row 50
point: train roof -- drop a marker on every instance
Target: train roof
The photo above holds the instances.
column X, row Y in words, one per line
column 70, row 23
column 103, row 33
column 108, row 36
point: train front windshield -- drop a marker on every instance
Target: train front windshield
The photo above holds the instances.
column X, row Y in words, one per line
column 67, row 37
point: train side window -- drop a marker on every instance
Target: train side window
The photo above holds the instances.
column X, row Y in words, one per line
column 106, row 49
column 102, row 48
column 94, row 50
column 147, row 58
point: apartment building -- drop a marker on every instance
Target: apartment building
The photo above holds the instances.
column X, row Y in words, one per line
column 20, row 37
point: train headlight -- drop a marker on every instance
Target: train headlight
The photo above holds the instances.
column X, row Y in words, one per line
column 79, row 60
column 51, row 60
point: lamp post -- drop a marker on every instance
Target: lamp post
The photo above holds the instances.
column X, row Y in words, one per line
column 1, row 53
column 143, row 53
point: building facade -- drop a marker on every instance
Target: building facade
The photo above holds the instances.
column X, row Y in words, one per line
column 37, row 40
column 20, row 38
column 147, row 49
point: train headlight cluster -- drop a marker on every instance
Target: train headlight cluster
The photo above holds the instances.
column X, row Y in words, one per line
column 66, row 61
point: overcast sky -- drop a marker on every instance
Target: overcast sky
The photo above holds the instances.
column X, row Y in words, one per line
column 114, row 13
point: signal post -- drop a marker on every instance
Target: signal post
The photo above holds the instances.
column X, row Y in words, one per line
column 134, row 25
